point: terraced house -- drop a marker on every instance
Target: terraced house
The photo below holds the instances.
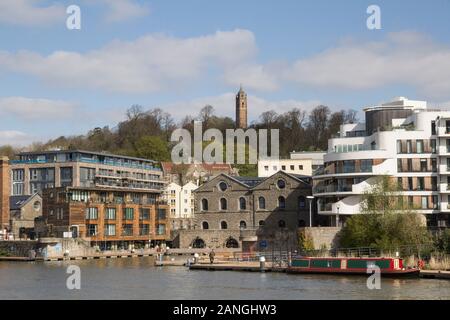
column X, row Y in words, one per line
column 249, row 213
column 402, row 139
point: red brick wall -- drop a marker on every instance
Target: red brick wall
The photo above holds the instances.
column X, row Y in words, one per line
column 5, row 192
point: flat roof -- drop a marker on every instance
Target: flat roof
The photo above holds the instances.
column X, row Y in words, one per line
column 107, row 154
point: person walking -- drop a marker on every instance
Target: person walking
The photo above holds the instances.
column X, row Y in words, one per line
column 211, row 256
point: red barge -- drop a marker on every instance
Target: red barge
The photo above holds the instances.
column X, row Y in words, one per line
column 391, row 267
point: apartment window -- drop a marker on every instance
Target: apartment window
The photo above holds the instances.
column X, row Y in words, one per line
column 204, row 205
column 87, row 176
column 410, row 184
column 292, row 167
column 144, row 229
column 447, row 126
column 423, row 165
column 434, row 183
column 91, row 230
column 435, row 201
column 161, row 229
column 349, row 166
column 128, row 213
column 283, row 168
column 266, row 168
column 410, row 201
column 424, row 202
column 223, row 225
column 110, row 229
column 433, row 127
column 408, row 146
column 66, row 177
column 433, row 165
column 144, row 214
column 110, row 214
column 419, row 146
column 433, row 145
column 127, row 229
column 399, row 146
column 300, row 167
column 400, row 183
column 275, row 168
column 223, row 204
column 172, row 202
column 92, row 213
column 399, row 165
column 161, row 214
column 420, row 183
column 366, row 165
column 262, row 203
column 410, row 166
column 448, row 164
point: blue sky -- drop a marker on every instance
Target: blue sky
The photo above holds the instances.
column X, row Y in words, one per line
column 181, row 55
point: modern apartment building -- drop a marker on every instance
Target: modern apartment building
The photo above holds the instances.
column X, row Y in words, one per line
column 402, row 139
column 180, row 200
column 32, row 172
column 111, row 218
column 300, row 163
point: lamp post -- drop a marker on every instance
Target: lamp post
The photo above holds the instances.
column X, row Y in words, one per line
column 310, row 198
column 337, row 217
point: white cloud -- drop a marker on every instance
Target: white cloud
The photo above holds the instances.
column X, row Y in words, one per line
column 224, row 105
column 121, row 10
column 14, row 138
column 30, row 13
column 149, row 64
column 33, row 109
column 403, row 58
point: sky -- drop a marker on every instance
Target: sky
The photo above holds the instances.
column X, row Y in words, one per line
column 181, row 55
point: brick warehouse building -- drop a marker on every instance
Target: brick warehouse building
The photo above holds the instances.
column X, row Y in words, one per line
column 4, row 192
column 109, row 218
column 249, row 213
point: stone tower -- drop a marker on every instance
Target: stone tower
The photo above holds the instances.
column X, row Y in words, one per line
column 241, row 109
column 4, row 192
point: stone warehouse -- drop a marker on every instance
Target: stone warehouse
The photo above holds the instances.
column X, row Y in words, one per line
column 249, row 213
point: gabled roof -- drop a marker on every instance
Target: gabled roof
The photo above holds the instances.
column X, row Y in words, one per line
column 250, row 181
column 17, row 202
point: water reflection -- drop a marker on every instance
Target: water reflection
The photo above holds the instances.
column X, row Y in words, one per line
column 137, row 278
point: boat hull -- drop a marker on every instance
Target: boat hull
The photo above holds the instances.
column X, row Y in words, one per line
column 408, row 273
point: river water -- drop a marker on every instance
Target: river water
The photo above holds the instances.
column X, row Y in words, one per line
column 137, row 278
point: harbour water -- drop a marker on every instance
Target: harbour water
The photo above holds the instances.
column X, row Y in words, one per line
column 138, row 278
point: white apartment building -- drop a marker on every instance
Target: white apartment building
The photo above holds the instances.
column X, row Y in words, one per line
column 302, row 163
column 403, row 139
column 181, row 204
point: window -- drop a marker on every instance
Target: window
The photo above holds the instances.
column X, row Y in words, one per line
column 274, row 168
column 435, row 202
column 366, row 165
column 292, row 167
column 423, row 165
column 79, row 196
column 399, row 165
column 266, row 168
column 433, row 165
column 261, row 203
column 223, row 186
column 243, row 225
column 223, row 225
column 419, row 146
column 91, row 213
column 433, row 145
column 400, row 183
column 300, row 167
column 281, row 202
column 282, row 224
column 261, row 223
column 37, row 206
column 399, row 146
column 301, row 202
column 91, row 230
column 410, row 166
column 205, row 225
column 349, row 166
column 223, row 204
column 87, row 176
column 424, row 202
column 110, row 214
column 410, row 184
column 161, row 229
column 144, row 214
column 283, row 168
column 18, row 182
column 144, row 229
column 161, row 214
column 204, row 205
column 420, row 183
column 128, row 213
column 281, row 184
column 408, row 146
column 127, row 229
column 66, row 177
column 433, row 127
column 434, row 183
column 110, row 229
column 242, row 203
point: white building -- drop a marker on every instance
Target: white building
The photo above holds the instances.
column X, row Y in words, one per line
column 402, row 139
column 181, row 203
column 301, row 163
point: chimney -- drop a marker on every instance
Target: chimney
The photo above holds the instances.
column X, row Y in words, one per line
column 5, row 192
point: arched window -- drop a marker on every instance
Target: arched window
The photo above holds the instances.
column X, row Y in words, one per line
column 223, row 225
column 281, row 202
column 231, row 243
column 301, row 202
column 261, row 223
column 243, row 225
column 198, row 243
column 262, row 203
column 242, row 203
column 204, row 205
column 223, row 204
column 282, row 224
column 205, row 225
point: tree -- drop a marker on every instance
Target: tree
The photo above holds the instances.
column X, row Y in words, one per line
column 154, row 148
column 386, row 222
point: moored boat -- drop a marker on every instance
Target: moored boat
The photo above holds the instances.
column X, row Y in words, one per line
column 392, row 267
